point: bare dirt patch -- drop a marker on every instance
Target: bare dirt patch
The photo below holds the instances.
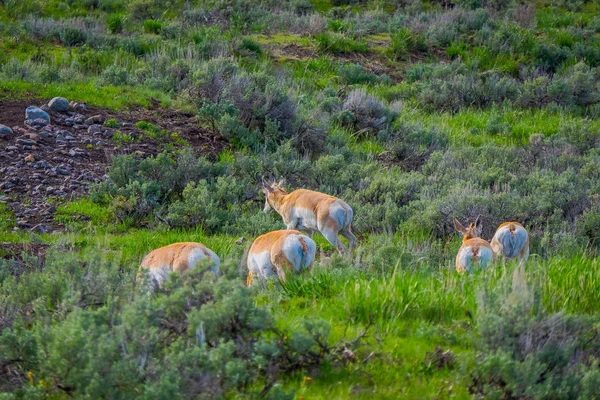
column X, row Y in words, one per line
column 44, row 166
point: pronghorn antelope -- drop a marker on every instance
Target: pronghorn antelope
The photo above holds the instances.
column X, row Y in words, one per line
column 511, row 241
column 474, row 250
column 311, row 211
column 176, row 257
column 279, row 252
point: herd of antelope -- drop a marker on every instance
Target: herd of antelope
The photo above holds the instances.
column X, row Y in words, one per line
column 286, row 251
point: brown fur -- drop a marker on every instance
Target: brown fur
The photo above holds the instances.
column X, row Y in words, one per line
column 320, row 205
column 273, row 243
column 512, row 226
column 470, row 238
column 174, row 255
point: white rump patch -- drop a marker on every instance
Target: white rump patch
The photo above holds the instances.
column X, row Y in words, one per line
column 197, row 255
column 260, row 265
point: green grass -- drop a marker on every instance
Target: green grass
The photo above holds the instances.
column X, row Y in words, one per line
column 7, row 218
column 86, row 92
column 413, row 311
column 476, row 127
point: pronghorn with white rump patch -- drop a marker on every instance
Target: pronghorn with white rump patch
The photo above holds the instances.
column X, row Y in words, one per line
column 311, row 211
column 511, row 240
column 279, row 252
column 176, row 257
column 474, row 250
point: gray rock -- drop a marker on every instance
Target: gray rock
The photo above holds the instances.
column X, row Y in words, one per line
column 5, row 130
column 94, row 119
column 41, row 228
column 77, row 106
column 59, row 104
column 70, row 121
column 41, row 165
column 23, row 224
column 33, row 113
column 26, row 142
column 36, row 123
column 94, row 128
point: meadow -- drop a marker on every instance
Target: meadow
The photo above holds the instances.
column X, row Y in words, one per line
column 413, row 112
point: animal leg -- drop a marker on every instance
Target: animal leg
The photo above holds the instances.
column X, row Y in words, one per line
column 347, row 233
column 332, row 238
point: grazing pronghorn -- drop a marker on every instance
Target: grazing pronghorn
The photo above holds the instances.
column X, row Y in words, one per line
column 311, row 211
column 176, row 257
column 474, row 250
column 511, row 241
column 279, row 252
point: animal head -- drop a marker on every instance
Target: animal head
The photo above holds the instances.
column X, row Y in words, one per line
column 271, row 191
column 473, row 231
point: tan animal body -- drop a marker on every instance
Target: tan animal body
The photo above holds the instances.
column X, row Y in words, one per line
column 511, row 240
column 278, row 253
column 176, row 257
column 311, row 211
column 474, row 250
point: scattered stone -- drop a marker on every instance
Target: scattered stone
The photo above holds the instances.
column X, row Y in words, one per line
column 63, row 170
column 95, row 119
column 94, row 128
column 34, row 113
column 126, row 125
column 59, row 104
column 41, row 165
column 36, row 123
column 30, row 158
column 41, row 228
column 240, row 240
column 77, row 106
column 26, row 142
column 23, row 224
column 5, row 131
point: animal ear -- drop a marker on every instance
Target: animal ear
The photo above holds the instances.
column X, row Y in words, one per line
column 281, row 182
column 478, row 223
column 459, row 227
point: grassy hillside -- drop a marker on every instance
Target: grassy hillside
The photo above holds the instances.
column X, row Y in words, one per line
column 413, row 112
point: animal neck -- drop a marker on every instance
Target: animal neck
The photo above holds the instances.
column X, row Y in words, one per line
column 276, row 200
column 469, row 236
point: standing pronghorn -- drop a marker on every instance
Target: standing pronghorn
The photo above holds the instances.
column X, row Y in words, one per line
column 277, row 252
column 176, row 257
column 474, row 250
column 511, row 241
column 311, row 211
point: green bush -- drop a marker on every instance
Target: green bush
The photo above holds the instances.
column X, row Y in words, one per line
column 198, row 336
column 355, row 74
column 72, row 36
column 114, row 76
column 526, row 353
column 152, row 26
column 339, row 43
column 115, row 23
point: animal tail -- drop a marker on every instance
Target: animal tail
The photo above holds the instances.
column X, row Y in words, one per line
column 514, row 242
column 303, row 251
column 475, row 254
column 343, row 215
